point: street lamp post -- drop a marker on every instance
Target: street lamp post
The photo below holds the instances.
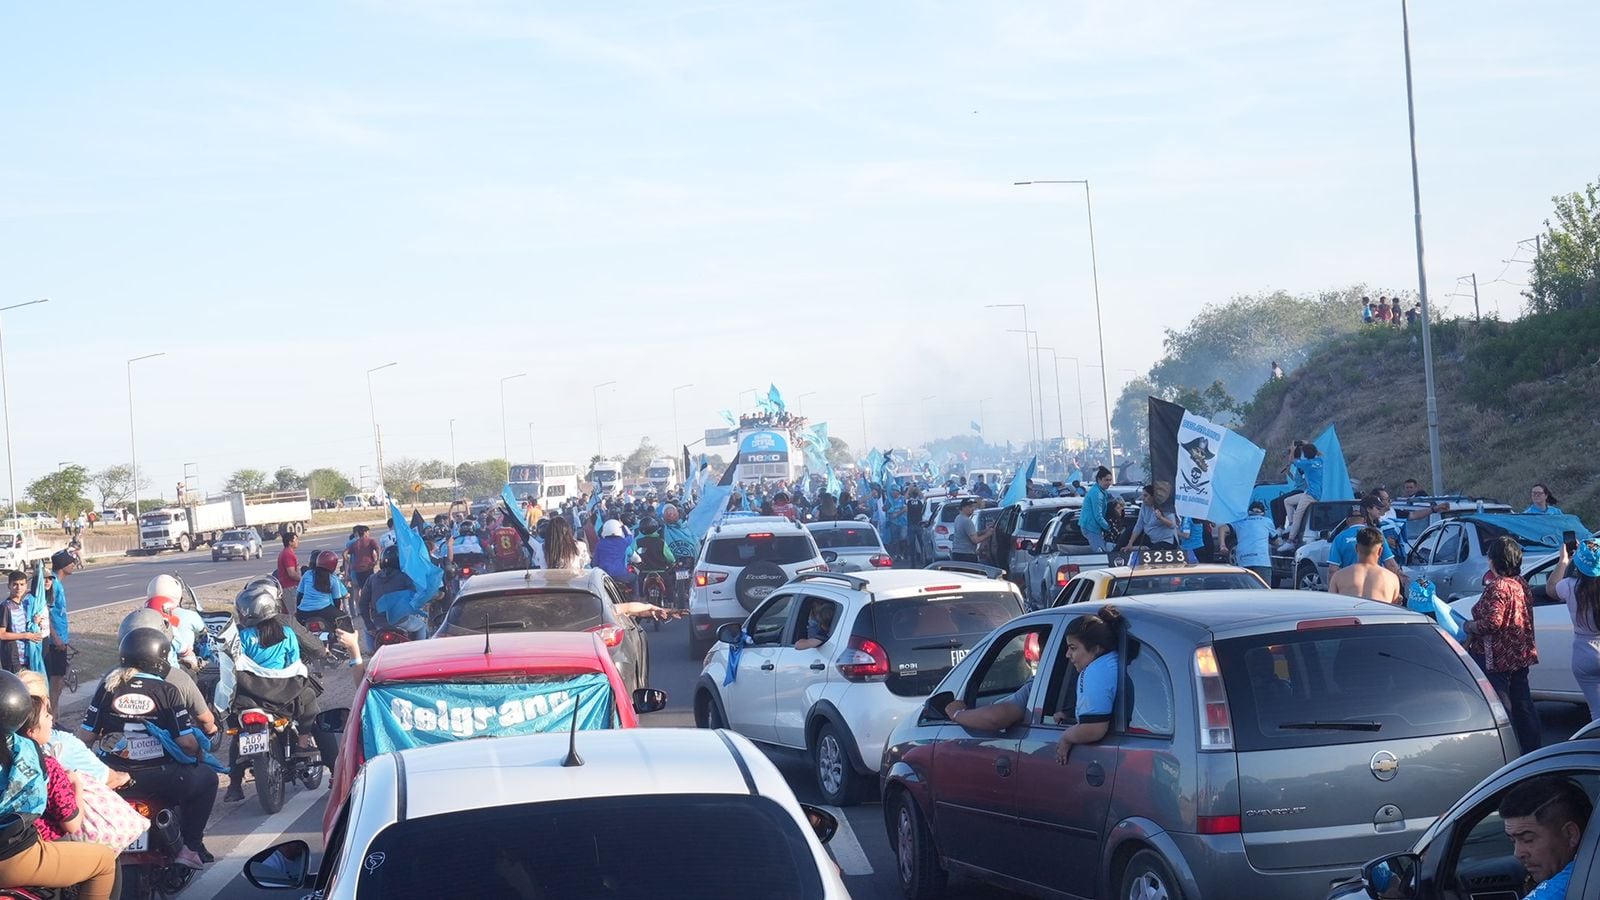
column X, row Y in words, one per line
column 1055, row 363
column 505, row 440
column 454, row 487
column 1432, row 399
column 377, row 439
column 864, row 399
column 1026, row 346
column 1032, row 335
column 599, row 441
column 1099, row 322
column 677, row 437
column 1083, row 425
column 532, row 458
column 5, row 400
column 133, row 450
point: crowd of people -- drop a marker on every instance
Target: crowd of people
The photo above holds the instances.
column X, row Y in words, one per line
column 1388, row 311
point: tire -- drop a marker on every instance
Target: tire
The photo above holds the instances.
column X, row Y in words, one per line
column 708, row 711
column 757, row 582
column 135, row 883
column 1308, row 577
column 312, row 779
column 837, row 779
column 916, row 859
column 268, row 770
column 216, row 558
column 184, row 545
column 1148, row 877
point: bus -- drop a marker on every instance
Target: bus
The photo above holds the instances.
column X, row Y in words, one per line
column 551, row 483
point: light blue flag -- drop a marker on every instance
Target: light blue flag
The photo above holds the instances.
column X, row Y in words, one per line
column 816, row 449
column 764, row 405
column 977, row 428
column 775, row 398
column 713, row 502
column 1018, row 491
column 834, row 485
column 406, row 714
column 515, row 506
column 728, row 417
column 1335, row 475
column 426, row 577
column 875, row 464
column 1217, row 472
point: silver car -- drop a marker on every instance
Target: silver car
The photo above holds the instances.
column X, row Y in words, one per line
column 1262, row 744
column 240, row 544
column 850, row 546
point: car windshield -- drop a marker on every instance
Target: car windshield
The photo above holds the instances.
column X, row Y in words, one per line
column 558, row 610
column 1035, row 519
column 727, row 846
column 836, row 538
column 782, row 550
column 235, row 536
column 7, row 541
column 1179, row 580
column 1345, row 684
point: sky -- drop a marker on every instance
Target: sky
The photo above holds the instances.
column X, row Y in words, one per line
column 724, row 195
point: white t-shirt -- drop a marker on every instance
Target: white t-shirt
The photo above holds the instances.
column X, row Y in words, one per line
column 1566, row 590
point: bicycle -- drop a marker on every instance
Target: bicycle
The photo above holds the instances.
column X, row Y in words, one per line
column 72, row 678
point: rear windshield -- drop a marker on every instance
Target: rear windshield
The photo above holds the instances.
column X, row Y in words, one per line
column 1174, row 582
column 834, row 538
column 235, row 536
column 1348, row 685
column 926, row 636
column 572, row 849
column 784, row 550
column 525, row 611
column 949, row 511
column 1035, row 519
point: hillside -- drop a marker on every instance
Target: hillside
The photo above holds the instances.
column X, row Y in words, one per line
column 1519, row 403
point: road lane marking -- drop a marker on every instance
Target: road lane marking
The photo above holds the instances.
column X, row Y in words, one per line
column 845, row 848
column 121, row 584
column 231, row 866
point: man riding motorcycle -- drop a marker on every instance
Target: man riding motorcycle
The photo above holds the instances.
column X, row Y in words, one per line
column 391, row 583
column 321, row 594
column 650, row 554
column 684, row 546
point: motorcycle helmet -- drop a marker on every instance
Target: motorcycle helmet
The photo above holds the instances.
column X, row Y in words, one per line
column 167, row 607
column 391, row 557
column 144, row 617
column 612, row 528
column 468, row 528
column 257, row 602
column 164, row 585
column 327, row 561
column 649, row 525
column 15, row 704
column 147, row 650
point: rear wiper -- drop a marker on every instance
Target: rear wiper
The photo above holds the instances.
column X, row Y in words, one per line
column 951, row 644
column 1332, row 726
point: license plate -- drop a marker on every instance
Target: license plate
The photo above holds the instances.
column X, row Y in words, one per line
column 140, row 843
column 254, row 743
column 683, row 576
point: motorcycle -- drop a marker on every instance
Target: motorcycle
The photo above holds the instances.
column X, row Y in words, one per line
column 148, row 867
column 653, row 588
column 322, row 628
column 269, row 743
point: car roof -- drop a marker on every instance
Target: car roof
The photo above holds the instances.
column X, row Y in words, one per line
column 902, row 582
column 539, row 651
column 1238, row 612
column 743, row 526
column 616, row 763
column 590, row 580
column 1195, row 569
column 1039, row 502
column 831, row 526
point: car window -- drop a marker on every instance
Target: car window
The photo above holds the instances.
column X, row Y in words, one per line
column 558, row 610
column 835, row 538
column 1482, row 853
column 1449, row 548
column 1009, row 662
column 818, row 620
column 1150, row 702
column 766, row 623
column 1037, row 518
column 782, row 550
column 1539, row 584
column 1178, row 581
column 1422, row 551
column 572, row 848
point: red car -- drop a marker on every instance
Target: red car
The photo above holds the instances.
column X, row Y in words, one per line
column 458, row 688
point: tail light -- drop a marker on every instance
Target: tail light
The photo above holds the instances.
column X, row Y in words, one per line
column 1030, row 648
column 1495, row 706
column 610, row 635
column 388, row 637
column 1219, row 824
column 254, row 720
column 1216, row 732
column 141, row 807
column 316, row 625
column 703, row 578
column 880, row 561
column 1065, row 574
column 941, row 529
column 466, row 571
column 1023, row 543
column 864, row 659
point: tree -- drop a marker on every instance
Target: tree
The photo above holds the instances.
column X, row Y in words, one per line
column 639, row 460
column 839, row 453
column 483, row 478
column 115, row 485
column 400, row 474
column 287, row 479
column 1131, row 417
column 1566, row 271
column 249, row 481
column 61, row 492
column 328, row 484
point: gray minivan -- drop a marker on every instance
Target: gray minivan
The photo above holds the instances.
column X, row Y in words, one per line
column 1263, row 744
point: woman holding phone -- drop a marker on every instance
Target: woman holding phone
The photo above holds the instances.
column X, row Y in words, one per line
column 1579, row 588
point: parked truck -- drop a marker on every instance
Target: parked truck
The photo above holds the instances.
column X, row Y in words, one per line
column 662, row 474
column 19, row 548
column 191, row 525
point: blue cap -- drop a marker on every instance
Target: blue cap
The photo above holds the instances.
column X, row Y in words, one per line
column 1587, row 559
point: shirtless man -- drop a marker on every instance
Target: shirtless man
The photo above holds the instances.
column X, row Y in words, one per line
column 1367, row 578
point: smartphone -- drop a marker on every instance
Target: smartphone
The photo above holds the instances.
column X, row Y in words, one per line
column 1570, row 538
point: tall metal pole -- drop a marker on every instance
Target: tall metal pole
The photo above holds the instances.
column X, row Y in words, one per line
column 677, row 437
column 455, row 488
column 598, row 441
column 5, row 400
column 532, row 457
column 1055, row 362
column 133, row 451
column 377, row 436
column 1476, row 312
column 505, row 439
column 1083, row 423
column 1027, row 360
column 1432, row 400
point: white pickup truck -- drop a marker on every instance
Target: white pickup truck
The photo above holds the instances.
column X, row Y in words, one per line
column 19, row 548
column 1060, row 553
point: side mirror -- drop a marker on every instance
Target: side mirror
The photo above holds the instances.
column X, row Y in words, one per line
column 829, row 556
column 332, row 721
column 1393, row 877
column 933, row 708
column 649, row 700
column 730, row 633
column 823, row 824
column 284, row 867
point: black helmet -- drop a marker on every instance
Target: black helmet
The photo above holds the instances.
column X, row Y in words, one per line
column 147, row 650
column 649, row 525
column 391, row 557
column 15, row 704
column 258, row 601
column 467, row 528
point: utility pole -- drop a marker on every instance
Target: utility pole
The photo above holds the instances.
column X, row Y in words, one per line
column 1476, row 313
column 1432, row 400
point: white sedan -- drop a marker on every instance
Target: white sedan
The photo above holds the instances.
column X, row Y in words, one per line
column 1552, row 678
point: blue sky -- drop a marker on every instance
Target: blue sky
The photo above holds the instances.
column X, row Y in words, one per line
column 723, row 194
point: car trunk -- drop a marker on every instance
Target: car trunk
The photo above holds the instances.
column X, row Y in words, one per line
column 1351, row 739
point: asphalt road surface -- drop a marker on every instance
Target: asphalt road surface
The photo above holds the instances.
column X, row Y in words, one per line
column 861, row 847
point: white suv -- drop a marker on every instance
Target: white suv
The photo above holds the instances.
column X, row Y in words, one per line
column 831, row 662
column 742, row 561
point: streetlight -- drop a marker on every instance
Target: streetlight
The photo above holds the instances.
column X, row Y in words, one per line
column 1055, row 363
column 1083, row 426
column 505, row 443
column 864, row 399
column 598, row 441
column 1025, row 353
column 132, row 444
column 5, row 399
column 1432, row 399
column 1033, row 336
column 802, row 402
column 677, row 438
column 454, row 487
column 377, row 437
column 1099, row 323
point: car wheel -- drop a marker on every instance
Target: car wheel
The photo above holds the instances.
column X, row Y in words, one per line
column 708, row 711
column 216, row 558
column 837, row 779
column 1148, row 877
column 917, row 863
column 1309, row 578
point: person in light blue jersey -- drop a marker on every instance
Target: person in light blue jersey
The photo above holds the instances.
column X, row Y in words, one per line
column 1253, row 535
column 1544, row 502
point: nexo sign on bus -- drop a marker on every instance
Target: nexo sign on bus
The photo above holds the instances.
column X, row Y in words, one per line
column 764, row 447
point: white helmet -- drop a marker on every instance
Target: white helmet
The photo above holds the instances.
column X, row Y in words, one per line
column 612, row 528
column 165, row 586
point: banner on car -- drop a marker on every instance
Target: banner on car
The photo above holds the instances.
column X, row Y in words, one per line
column 403, row 715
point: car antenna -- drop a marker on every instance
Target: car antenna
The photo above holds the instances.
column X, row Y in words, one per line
column 485, row 634
column 573, row 759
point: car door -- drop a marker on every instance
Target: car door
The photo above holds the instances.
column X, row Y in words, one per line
column 1552, row 634
column 801, row 674
column 634, row 651
column 1419, row 558
column 1449, row 574
column 1034, row 580
column 748, row 699
column 974, row 789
